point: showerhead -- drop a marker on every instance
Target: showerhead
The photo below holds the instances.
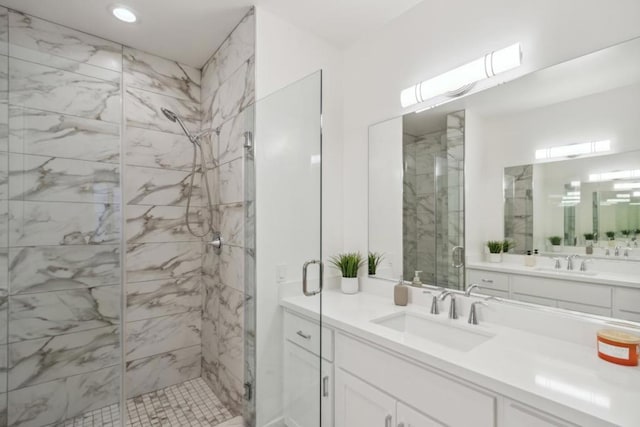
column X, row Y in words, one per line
column 169, row 114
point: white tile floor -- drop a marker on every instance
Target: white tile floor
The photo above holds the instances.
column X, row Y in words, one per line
column 191, row 404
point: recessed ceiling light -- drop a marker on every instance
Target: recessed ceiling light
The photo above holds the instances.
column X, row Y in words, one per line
column 124, row 14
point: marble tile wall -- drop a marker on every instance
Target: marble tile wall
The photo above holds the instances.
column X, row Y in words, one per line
column 60, row 286
column 163, row 260
column 228, row 95
column 518, row 207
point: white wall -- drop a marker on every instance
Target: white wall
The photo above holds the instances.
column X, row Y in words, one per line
column 285, row 54
column 435, row 37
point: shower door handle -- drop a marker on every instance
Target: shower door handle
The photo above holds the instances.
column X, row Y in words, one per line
column 305, row 267
column 457, row 257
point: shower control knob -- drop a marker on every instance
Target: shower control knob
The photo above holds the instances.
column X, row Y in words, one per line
column 216, row 242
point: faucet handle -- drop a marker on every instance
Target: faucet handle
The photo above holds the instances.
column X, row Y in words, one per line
column 473, row 315
column 583, row 264
column 434, row 305
column 557, row 265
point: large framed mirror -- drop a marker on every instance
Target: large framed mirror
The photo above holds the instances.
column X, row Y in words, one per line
column 549, row 162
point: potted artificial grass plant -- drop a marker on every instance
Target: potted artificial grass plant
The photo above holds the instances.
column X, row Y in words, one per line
column 375, row 259
column 495, row 250
column 555, row 243
column 348, row 263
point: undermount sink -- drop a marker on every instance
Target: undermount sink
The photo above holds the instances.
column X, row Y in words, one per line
column 567, row 272
column 453, row 336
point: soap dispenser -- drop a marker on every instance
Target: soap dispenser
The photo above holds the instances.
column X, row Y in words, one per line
column 416, row 279
column 401, row 293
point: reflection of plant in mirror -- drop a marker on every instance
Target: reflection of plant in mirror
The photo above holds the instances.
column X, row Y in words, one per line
column 374, row 261
column 555, row 240
column 348, row 263
column 588, row 236
column 636, row 231
column 495, row 246
column 610, row 235
column 505, row 246
column 625, row 233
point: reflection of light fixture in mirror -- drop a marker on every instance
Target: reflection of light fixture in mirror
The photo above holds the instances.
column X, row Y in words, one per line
column 610, row 176
column 626, row 185
column 575, row 184
column 574, row 150
column 636, row 194
column 617, row 200
column 460, row 80
column 574, row 391
column 623, row 196
column 573, row 193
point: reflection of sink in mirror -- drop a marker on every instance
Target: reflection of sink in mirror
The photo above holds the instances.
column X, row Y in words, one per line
column 453, row 336
column 567, row 272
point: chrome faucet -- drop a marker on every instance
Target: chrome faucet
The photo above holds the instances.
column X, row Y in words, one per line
column 453, row 314
column 434, row 303
column 627, row 252
column 617, row 251
column 473, row 315
column 570, row 259
column 557, row 265
column 471, row 287
column 583, row 264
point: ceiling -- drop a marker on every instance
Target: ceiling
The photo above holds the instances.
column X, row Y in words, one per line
column 189, row 31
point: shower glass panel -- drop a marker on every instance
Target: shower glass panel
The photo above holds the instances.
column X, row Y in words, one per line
column 284, row 189
column 60, row 221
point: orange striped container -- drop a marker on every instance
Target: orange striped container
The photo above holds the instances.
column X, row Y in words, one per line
column 618, row 347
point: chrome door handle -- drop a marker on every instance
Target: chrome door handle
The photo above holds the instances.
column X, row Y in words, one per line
column 325, row 386
column 401, row 425
column 486, row 280
column 305, row 290
column 303, row 335
column 387, row 421
column 457, row 256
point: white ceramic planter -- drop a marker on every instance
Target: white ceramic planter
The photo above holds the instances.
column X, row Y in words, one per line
column 495, row 257
column 556, row 248
column 349, row 285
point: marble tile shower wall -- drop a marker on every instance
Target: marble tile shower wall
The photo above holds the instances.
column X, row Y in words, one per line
column 163, row 260
column 228, row 82
column 453, row 221
column 60, row 286
column 518, row 207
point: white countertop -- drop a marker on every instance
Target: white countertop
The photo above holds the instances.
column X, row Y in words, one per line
column 602, row 277
column 521, row 365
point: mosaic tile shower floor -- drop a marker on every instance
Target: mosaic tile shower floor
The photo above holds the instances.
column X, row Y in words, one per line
column 191, row 404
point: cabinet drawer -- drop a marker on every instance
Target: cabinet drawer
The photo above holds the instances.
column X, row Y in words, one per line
column 306, row 334
column 437, row 395
column 562, row 290
column 627, row 300
column 517, row 414
column 583, row 308
column 488, row 280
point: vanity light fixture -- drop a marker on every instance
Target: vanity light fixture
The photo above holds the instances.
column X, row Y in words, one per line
column 626, row 186
column 636, row 194
column 460, row 80
column 610, row 176
column 573, row 150
column 124, row 14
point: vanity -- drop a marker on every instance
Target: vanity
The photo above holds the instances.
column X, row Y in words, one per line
column 385, row 365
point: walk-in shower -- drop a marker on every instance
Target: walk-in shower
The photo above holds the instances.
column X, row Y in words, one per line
column 195, row 140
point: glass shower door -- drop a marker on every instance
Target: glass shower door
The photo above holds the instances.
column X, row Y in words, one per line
column 288, row 379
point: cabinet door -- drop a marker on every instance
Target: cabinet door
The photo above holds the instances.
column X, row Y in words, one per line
column 360, row 405
column 409, row 417
column 516, row 414
column 301, row 385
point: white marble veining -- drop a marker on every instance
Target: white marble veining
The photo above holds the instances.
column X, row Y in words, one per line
column 154, row 261
column 54, row 268
column 232, row 267
column 47, row 37
column 42, row 360
column 143, row 110
column 154, row 74
column 146, row 147
column 232, row 223
column 4, row 31
column 3, row 371
column 57, row 135
column 62, row 399
column 162, row 334
column 152, row 186
column 230, row 331
column 158, row 298
column 148, row 224
column 231, row 139
column 231, row 182
column 49, row 314
column 41, row 178
column 162, row 370
column 233, row 96
column 50, row 223
column 4, row 313
column 46, row 88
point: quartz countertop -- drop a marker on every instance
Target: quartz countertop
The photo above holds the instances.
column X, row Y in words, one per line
column 551, row 374
column 601, row 277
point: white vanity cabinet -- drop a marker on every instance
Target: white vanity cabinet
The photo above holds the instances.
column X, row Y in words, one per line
column 626, row 304
column 377, row 388
column 301, row 380
column 517, row 414
column 583, row 295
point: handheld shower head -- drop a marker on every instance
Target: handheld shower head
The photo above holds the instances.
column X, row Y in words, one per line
column 169, row 114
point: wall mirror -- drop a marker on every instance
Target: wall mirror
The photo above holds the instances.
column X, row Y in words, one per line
column 553, row 153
